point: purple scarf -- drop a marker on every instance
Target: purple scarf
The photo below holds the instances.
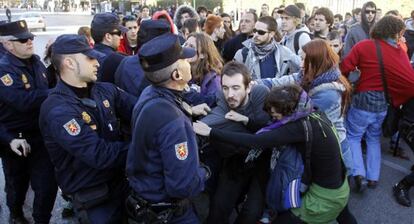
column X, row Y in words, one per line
column 303, row 109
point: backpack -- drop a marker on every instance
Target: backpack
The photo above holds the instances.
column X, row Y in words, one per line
column 289, row 175
column 296, row 40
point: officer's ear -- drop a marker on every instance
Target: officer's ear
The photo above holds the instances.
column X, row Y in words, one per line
column 175, row 75
column 69, row 62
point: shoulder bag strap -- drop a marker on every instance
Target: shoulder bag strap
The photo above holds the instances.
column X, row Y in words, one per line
column 384, row 81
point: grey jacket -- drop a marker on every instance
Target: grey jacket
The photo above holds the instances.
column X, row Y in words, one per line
column 286, row 60
column 304, row 38
column 355, row 35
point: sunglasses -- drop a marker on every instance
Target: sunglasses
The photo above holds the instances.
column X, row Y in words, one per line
column 260, row 32
column 24, row 40
column 370, row 11
column 116, row 32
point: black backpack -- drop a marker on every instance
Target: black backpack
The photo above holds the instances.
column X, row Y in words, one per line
column 296, row 40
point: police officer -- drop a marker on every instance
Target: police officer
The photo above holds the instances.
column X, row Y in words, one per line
column 129, row 75
column 18, row 146
column 162, row 165
column 79, row 121
column 23, row 87
column 107, row 34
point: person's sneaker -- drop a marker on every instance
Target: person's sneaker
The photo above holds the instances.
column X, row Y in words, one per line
column 401, row 194
column 360, row 183
column 372, row 184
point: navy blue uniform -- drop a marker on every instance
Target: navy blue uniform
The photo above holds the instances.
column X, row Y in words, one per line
column 83, row 140
column 108, row 63
column 163, row 162
column 23, row 87
column 5, row 136
column 130, row 77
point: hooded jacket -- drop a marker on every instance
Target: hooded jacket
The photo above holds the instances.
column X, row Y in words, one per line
column 180, row 11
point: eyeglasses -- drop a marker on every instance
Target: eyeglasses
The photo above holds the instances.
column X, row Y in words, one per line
column 260, row 32
column 116, row 32
column 370, row 11
column 24, row 40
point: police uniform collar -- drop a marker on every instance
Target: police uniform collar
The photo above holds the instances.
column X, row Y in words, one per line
column 176, row 97
column 64, row 89
column 103, row 48
column 17, row 61
column 80, row 92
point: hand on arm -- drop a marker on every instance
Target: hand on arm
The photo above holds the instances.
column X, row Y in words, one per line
column 16, row 143
column 201, row 128
column 201, row 109
column 234, row 116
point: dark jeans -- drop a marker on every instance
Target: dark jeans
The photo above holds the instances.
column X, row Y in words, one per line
column 410, row 178
column 35, row 169
column 233, row 185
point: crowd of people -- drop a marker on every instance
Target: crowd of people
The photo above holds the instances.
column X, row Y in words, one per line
column 180, row 117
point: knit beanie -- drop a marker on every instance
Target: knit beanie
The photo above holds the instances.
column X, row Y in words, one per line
column 211, row 23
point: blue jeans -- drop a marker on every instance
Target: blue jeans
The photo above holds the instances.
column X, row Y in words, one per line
column 360, row 122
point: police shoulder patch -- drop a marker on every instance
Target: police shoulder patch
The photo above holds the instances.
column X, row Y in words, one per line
column 72, row 127
column 7, row 80
column 181, row 151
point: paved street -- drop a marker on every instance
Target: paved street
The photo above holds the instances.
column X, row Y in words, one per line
column 374, row 206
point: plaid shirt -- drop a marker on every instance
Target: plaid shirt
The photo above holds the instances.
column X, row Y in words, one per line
column 372, row 101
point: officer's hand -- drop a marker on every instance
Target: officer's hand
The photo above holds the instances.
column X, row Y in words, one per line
column 201, row 128
column 234, row 116
column 15, row 144
column 201, row 109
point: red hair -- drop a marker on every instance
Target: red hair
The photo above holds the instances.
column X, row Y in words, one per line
column 319, row 59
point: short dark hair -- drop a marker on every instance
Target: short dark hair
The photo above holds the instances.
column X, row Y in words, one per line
column 356, row 11
column 392, row 13
column 387, row 27
column 191, row 24
column 333, row 35
column 255, row 17
column 144, row 7
column 128, row 18
column 271, row 26
column 284, row 99
column 56, row 60
column 348, row 14
column 339, row 16
column 202, row 8
column 98, row 35
column 233, row 67
column 224, row 15
column 327, row 13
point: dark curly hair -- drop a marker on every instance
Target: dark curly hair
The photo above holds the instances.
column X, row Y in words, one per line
column 387, row 27
column 284, row 99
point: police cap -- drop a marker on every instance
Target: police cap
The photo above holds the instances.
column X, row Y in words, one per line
column 73, row 44
column 163, row 51
column 17, row 29
column 150, row 29
column 107, row 22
